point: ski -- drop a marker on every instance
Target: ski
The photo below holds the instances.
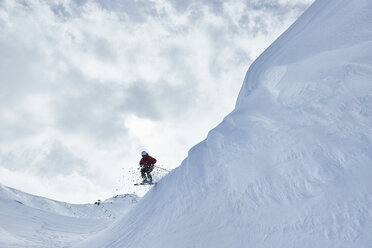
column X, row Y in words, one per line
column 139, row 184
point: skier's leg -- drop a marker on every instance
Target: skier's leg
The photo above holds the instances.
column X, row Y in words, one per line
column 149, row 177
column 143, row 174
column 149, row 174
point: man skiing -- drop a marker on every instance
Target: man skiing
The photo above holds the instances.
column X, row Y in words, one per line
column 147, row 165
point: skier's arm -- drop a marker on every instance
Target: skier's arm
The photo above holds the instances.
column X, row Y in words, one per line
column 152, row 160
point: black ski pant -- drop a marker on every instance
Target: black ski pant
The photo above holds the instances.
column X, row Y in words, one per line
column 146, row 171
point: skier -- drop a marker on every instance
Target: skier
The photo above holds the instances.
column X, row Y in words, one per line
column 147, row 165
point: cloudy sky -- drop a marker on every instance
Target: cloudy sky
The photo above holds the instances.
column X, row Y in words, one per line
column 86, row 85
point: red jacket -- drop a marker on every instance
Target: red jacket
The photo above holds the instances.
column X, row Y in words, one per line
column 147, row 161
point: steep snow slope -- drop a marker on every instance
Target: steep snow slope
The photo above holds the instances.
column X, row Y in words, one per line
column 32, row 221
column 291, row 166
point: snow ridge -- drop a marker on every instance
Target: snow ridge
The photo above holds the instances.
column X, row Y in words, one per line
column 291, row 165
column 33, row 221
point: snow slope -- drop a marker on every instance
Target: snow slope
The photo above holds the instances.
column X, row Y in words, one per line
column 291, row 166
column 32, row 221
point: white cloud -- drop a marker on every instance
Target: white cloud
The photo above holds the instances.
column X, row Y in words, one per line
column 86, row 85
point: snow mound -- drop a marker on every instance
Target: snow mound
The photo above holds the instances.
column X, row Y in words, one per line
column 291, row 166
column 32, row 221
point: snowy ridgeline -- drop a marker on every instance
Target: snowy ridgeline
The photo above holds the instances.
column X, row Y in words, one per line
column 291, row 166
column 32, row 221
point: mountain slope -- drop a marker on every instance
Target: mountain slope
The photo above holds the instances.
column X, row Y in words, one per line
column 291, row 166
column 32, row 221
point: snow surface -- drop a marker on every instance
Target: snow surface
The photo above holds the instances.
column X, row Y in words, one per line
column 32, row 221
column 291, row 166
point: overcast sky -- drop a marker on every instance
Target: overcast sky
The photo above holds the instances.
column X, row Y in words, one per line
column 86, row 85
